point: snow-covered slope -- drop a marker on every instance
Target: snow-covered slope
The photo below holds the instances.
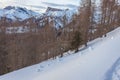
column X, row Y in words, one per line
column 90, row 64
column 17, row 13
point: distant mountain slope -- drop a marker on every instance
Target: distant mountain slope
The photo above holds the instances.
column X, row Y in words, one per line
column 17, row 13
column 59, row 17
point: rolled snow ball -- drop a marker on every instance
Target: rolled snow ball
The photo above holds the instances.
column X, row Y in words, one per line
column 112, row 37
column 90, row 48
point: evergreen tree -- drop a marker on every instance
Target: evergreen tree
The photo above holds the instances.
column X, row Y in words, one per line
column 76, row 41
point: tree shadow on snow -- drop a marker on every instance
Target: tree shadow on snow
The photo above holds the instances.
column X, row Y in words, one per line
column 112, row 70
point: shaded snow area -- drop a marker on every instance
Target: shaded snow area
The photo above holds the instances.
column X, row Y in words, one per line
column 99, row 61
column 114, row 72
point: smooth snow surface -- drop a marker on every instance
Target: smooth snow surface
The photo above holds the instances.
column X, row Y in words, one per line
column 91, row 63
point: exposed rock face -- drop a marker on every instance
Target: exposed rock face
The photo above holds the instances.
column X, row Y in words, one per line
column 53, row 9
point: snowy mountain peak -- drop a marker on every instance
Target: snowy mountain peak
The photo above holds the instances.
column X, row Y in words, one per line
column 55, row 15
column 9, row 7
column 17, row 13
column 59, row 16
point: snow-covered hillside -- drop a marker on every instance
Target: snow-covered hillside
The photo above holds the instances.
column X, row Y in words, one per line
column 93, row 63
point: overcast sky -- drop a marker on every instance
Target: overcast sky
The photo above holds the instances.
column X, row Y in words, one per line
column 36, row 2
column 40, row 4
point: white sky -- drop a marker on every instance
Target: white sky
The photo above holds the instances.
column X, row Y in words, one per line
column 30, row 3
column 38, row 2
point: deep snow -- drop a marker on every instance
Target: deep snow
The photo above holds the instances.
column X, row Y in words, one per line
column 93, row 63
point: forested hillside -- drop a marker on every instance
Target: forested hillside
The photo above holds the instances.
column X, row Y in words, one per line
column 36, row 39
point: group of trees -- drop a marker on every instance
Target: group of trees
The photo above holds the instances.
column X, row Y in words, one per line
column 42, row 42
column 20, row 49
column 110, row 14
column 95, row 20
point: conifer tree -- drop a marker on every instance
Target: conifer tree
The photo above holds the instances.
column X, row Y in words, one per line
column 76, row 41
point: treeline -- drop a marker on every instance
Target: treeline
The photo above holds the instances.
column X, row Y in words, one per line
column 42, row 42
column 95, row 20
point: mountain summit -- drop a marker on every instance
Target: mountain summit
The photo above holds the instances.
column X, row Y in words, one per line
column 17, row 13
